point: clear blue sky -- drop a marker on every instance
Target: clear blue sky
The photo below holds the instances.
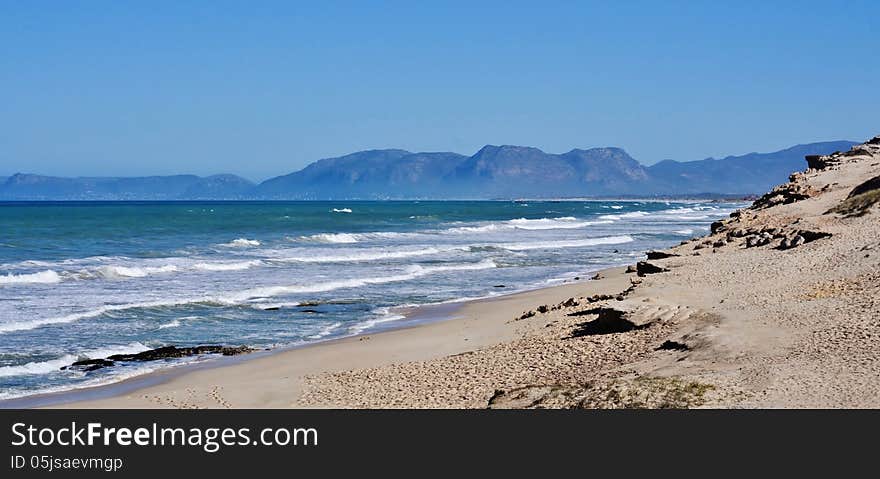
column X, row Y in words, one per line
column 263, row 88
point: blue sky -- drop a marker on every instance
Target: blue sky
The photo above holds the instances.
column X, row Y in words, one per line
column 263, row 88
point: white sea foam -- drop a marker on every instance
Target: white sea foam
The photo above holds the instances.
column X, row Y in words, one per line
column 268, row 306
column 134, row 271
column 356, row 256
column 623, row 216
column 566, row 244
column 567, row 222
column 475, row 229
column 242, row 243
column 616, row 207
column 420, row 270
column 331, row 238
column 115, row 376
column 39, row 367
column 382, row 315
column 413, row 272
column 325, row 331
column 73, row 317
column 342, row 210
column 172, row 324
column 55, row 365
column 43, row 277
column 230, row 266
column 686, row 231
column 236, row 298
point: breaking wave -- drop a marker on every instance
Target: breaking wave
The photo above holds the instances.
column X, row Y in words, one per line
column 238, row 298
column 566, row 244
column 55, row 365
column 43, row 277
column 241, row 243
column 133, row 271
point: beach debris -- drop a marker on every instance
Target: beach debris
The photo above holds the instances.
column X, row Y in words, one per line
column 645, row 268
column 660, row 255
column 789, row 243
column 166, row 352
column 610, row 320
column 568, row 303
column 670, row 345
column 801, row 237
column 717, row 227
column 760, row 239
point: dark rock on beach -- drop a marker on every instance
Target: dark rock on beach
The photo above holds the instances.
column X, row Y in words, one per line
column 644, row 268
column 660, row 255
column 89, row 365
column 171, row 352
column 166, row 352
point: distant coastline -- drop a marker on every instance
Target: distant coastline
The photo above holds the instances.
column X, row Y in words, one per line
column 712, row 197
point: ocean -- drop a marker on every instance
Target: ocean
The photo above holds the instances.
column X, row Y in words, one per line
column 88, row 280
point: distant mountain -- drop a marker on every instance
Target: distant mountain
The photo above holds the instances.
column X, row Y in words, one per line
column 751, row 173
column 366, row 174
column 493, row 172
column 37, row 187
column 519, row 171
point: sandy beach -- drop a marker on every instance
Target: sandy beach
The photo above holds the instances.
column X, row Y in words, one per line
column 778, row 307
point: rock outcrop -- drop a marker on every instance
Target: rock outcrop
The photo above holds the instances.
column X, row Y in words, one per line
column 167, row 352
column 644, row 268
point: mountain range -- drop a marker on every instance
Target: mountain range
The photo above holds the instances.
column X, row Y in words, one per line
column 494, row 172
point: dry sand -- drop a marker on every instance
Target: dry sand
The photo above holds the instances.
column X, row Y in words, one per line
column 733, row 322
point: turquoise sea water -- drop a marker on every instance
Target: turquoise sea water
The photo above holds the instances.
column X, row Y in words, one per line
column 87, row 280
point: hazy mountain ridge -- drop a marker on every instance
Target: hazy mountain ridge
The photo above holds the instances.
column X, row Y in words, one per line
column 749, row 173
column 25, row 187
column 504, row 171
column 517, row 171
